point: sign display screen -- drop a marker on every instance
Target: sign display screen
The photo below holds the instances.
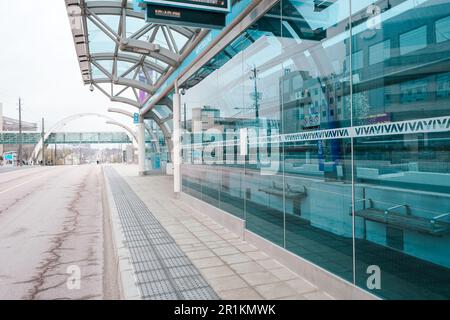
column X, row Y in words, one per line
column 185, row 17
column 209, row 5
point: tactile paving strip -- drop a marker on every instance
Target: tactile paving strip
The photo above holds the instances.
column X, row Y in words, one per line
column 163, row 271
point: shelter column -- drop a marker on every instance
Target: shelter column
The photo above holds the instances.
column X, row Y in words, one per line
column 141, row 146
column 176, row 142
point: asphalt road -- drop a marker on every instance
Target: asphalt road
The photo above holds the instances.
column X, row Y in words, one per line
column 52, row 234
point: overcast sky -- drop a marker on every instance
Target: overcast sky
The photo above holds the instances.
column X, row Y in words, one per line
column 38, row 63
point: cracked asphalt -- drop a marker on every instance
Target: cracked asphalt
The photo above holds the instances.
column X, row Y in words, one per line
column 51, row 228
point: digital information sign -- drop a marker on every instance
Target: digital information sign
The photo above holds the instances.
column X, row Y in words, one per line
column 185, row 17
column 207, row 5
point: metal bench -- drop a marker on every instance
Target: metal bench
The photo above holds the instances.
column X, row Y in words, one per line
column 435, row 226
column 289, row 193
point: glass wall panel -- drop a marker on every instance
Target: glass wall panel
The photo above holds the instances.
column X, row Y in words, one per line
column 325, row 126
column 401, row 171
column 260, row 114
column 201, row 170
column 230, row 79
column 317, row 173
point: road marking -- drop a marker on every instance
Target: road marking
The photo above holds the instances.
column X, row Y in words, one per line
column 21, row 184
column 25, row 171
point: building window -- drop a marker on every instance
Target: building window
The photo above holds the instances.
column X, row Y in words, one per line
column 380, row 52
column 357, row 60
column 413, row 40
column 297, row 83
column 442, row 29
column 443, row 85
column 286, row 87
column 413, row 91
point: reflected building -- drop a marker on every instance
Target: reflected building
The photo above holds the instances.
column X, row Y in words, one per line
column 359, row 104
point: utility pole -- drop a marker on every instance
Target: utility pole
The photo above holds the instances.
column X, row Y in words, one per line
column 254, row 76
column 54, row 163
column 185, row 123
column 43, row 142
column 64, row 148
column 20, row 132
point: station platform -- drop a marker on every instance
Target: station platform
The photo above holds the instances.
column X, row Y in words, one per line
column 167, row 249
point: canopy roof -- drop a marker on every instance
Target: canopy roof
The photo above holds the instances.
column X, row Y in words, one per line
column 122, row 55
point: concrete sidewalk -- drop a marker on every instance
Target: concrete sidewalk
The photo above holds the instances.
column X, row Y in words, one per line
column 231, row 266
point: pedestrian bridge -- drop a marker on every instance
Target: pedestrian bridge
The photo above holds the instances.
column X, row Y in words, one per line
column 13, row 138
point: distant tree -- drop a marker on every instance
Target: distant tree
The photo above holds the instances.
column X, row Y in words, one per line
column 361, row 108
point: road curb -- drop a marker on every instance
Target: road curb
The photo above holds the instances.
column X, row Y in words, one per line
column 125, row 272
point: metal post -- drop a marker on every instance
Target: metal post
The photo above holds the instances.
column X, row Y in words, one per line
column 254, row 77
column 176, row 141
column 54, row 161
column 141, row 146
column 20, row 132
column 64, row 148
column 185, row 122
column 43, row 143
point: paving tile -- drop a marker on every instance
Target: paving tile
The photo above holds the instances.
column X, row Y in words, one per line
column 275, row 290
column 257, row 255
column 184, row 236
column 229, row 235
column 227, row 283
column 240, row 294
column 192, row 247
column 269, row 264
column 258, row 278
column 205, row 233
column 201, row 228
column 208, row 238
column 318, row 295
column 246, row 267
column 284, row 274
column 175, row 229
column 222, row 251
column 216, row 272
column 235, row 258
column 188, row 241
column 215, row 245
column 198, row 254
column 236, row 241
column 301, row 285
column 295, row 297
column 245, row 247
column 207, row 262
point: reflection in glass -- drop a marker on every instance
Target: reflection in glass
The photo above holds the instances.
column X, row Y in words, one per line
column 255, row 147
